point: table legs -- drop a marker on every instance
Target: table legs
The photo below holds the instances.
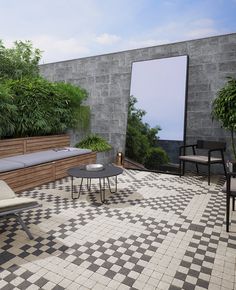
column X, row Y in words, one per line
column 102, row 187
column 72, row 188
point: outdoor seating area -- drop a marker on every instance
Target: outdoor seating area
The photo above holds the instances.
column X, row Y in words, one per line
column 204, row 153
column 158, row 231
column 32, row 161
column 118, row 145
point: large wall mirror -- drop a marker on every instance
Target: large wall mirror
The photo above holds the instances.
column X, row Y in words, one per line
column 156, row 116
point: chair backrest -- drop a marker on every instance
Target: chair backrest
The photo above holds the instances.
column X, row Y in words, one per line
column 5, row 191
column 203, row 144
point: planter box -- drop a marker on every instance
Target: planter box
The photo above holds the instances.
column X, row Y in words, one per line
column 28, row 177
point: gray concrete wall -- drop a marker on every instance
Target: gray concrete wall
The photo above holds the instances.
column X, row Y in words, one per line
column 107, row 80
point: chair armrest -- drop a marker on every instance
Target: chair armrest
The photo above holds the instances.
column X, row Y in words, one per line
column 187, row 146
column 215, row 149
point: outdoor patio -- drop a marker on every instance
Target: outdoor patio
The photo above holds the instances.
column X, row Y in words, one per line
column 157, row 232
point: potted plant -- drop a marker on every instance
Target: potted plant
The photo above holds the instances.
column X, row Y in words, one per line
column 95, row 143
column 98, row 144
column 224, row 110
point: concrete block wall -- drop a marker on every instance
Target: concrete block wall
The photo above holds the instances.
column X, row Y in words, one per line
column 107, row 80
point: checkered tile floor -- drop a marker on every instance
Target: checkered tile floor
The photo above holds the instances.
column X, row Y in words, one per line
column 157, row 232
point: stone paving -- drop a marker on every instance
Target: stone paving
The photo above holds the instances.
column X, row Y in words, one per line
column 157, row 232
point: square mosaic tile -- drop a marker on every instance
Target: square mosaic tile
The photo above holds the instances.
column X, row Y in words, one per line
column 157, row 231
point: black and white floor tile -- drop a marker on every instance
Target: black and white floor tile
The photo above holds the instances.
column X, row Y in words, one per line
column 157, row 232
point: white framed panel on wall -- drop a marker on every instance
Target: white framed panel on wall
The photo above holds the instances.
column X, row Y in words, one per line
column 159, row 87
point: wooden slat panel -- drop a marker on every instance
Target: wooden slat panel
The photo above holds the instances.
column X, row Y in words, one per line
column 26, row 178
column 18, row 146
column 11, row 147
column 35, row 144
column 63, row 165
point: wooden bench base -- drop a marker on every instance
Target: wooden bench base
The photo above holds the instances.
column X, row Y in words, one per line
column 26, row 178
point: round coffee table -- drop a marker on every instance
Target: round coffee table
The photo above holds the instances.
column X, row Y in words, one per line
column 104, row 174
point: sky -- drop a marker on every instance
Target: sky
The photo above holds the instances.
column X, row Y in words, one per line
column 69, row 29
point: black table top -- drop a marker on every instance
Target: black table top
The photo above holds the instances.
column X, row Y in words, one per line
column 108, row 171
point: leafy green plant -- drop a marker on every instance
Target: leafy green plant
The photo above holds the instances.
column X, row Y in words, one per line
column 95, row 143
column 8, row 110
column 224, row 109
column 43, row 107
column 156, row 156
column 29, row 104
column 19, row 61
column 74, row 96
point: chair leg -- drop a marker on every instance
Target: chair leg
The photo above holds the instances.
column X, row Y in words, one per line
column 227, row 211
column 224, row 168
column 209, row 173
column 19, row 219
column 197, row 168
column 180, row 168
column 183, row 168
column 233, row 203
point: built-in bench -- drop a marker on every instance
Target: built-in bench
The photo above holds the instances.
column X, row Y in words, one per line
column 32, row 161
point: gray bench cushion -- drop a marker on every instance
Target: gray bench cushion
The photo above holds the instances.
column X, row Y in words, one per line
column 26, row 160
column 45, row 156
column 8, row 165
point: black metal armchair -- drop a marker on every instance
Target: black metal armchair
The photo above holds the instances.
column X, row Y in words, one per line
column 198, row 158
column 230, row 189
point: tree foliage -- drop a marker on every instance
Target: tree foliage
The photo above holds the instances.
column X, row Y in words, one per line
column 156, row 156
column 19, row 61
column 224, row 108
column 29, row 104
column 141, row 138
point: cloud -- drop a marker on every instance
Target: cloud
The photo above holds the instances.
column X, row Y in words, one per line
column 203, row 22
column 57, row 49
column 182, row 30
column 60, row 47
column 107, row 39
column 138, row 43
column 201, row 32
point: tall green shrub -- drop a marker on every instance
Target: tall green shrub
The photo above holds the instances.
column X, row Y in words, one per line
column 43, row 107
column 31, row 105
column 8, row 110
column 155, row 158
